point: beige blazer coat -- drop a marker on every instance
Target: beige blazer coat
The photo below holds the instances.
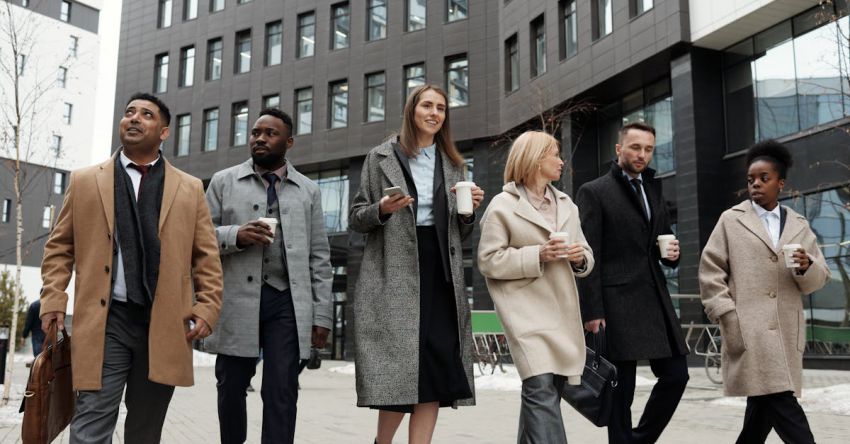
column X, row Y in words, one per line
column 745, row 286
column 538, row 303
column 189, row 272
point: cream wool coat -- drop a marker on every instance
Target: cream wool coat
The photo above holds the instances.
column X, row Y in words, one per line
column 741, row 274
column 538, row 303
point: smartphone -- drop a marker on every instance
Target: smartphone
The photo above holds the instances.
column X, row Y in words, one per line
column 392, row 191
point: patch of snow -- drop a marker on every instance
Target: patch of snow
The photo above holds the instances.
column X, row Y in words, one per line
column 202, row 359
column 347, row 369
column 508, row 381
column 833, row 399
column 641, row 381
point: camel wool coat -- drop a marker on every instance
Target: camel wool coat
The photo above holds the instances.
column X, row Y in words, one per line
column 538, row 303
column 746, row 288
column 189, row 283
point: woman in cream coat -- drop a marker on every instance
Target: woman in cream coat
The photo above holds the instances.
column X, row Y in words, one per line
column 531, row 279
column 747, row 288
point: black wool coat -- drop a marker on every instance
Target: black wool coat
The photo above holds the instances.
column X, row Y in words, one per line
column 627, row 287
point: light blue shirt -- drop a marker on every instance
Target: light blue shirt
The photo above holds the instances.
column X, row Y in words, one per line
column 119, row 288
column 422, row 169
column 642, row 191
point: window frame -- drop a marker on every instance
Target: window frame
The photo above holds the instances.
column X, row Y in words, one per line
column 211, row 65
column 181, row 128
column 298, row 128
column 270, row 51
column 336, row 17
column 301, row 36
column 207, row 133
column 382, row 87
column 187, row 67
column 235, row 120
column 447, row 69
column 537, row 37
column 161, row 62
column 371, row 7
column 242, row 37
column 332, row 104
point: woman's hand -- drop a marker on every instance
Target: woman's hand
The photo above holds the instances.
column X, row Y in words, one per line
column 555, row 249
column 802, row 258
column 391, row 204
column 477, row 197
column 575, row 254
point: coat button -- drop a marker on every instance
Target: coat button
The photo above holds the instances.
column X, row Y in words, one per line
column 256, row 207
column 265, row 277
column 250, row 278
column 271, row 211
column 772, row 294
column 103, row 302
column 452, row 251
column 773, row 259
column 106, row 268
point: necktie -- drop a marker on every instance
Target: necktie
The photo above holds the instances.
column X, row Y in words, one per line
column 271, row 192
column 143, row 169
column 636, row 183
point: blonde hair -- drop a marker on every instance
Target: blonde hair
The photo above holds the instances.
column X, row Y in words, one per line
column 525, row 155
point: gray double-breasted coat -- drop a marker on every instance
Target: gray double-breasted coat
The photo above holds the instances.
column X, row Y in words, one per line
column 386, row 302
column 237, row 195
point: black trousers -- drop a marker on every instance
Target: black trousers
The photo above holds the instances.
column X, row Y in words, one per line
column 279, row 342
column 778, row 411
column 672, row 374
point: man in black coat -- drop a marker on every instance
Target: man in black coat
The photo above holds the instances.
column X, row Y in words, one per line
column 33, row 326
column 622, row 214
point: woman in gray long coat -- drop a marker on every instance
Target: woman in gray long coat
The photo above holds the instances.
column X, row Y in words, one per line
column 412, row 322
column 747, row 287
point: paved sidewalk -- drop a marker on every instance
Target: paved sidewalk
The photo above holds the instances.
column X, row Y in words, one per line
column 327, row 414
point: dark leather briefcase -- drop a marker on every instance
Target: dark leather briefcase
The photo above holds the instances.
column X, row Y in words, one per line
column 595, row 396
column 48, row 403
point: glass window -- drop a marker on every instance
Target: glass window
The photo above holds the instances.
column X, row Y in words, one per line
column 187, row 66
column 59, row 182
column 47, row 215
column 776, row 90
column 7, row 210
column 512, row 64
column 163, row 14
column 568, row 29
column 304, row 111
column 333, row 186
column 660, row 116
column 67, row 109
column 340, row 30
column 272, row 101
column 414, row 76
column 638, row 7
column 274, row 43
column 74, row 44
column 190, row 9
column 65, row 12
column 306, row 34
column 456, row 10
column 62, row 77
column 239, row 124
column 339, row 104
column 242, row 2
column 210, row 130
column 184, row 128
column 377, row 19
column 160, row 79
column 604, row 18
column 216, row 5
column 416, row 15
column 214, row 57
column 819, row 62
column 457, row 81
column 56, row 143
column 538, row 46
column 376, row 91
column 242, row 56
column 25, row 3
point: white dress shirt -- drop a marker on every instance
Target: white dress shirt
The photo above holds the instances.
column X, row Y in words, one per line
column 770, row 219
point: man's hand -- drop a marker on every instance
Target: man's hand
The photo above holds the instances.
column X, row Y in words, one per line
column 391, row 204
column 201, row 330
column 47, row 318
column 593, row 326
column 319, row 337
column 253, row 233
column 673, row 250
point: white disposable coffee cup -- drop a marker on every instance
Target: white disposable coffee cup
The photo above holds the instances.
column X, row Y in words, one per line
column 463, row 191
column 272, row 223
column 564, row 236
column 788, row 252
column 664, row 241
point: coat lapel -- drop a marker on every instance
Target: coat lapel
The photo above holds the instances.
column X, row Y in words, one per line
column 391, row 166
column 793, row 226
column 169, row 192
column 524, row 209
column 751, row 221
column 563, row 213
column 106, row 187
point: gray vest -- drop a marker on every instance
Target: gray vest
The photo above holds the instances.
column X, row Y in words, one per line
column 274, row 265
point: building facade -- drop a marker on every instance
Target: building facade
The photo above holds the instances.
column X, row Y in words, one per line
column 711, row 79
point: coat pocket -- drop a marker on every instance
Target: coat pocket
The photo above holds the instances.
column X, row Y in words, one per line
column 730, row 331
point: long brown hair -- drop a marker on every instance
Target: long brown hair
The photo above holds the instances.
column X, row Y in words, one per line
column 408, row 134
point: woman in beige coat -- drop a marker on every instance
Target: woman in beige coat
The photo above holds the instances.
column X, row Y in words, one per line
column 531, row 278
column 746, row 286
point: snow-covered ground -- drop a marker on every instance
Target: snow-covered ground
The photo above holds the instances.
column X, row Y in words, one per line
column 201, row 359
column 833, row 399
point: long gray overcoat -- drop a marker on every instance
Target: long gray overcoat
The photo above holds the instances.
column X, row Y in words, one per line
column 746, row 288
column 237, row 195
column 386, row 303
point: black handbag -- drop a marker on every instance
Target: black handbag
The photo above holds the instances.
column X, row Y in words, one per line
column 594, row 398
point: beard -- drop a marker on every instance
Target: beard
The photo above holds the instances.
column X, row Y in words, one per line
column 630, row 168
column 268, row 161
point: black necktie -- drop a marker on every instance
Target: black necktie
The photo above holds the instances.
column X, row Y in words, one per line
column 636, row 183
column 271, row 192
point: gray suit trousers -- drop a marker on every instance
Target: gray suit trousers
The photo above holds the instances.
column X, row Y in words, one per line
column 540, row 420
column 125, row 363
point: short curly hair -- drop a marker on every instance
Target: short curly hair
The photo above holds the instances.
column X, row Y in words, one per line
column 274, row 112
column 774, row 152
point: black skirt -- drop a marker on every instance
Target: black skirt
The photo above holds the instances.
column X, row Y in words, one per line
column 441, row 375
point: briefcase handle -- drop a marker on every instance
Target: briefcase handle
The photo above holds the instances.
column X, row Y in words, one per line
column 52, row 341
column 599, row 346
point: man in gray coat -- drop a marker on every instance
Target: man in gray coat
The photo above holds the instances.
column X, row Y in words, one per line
column 277, row 280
